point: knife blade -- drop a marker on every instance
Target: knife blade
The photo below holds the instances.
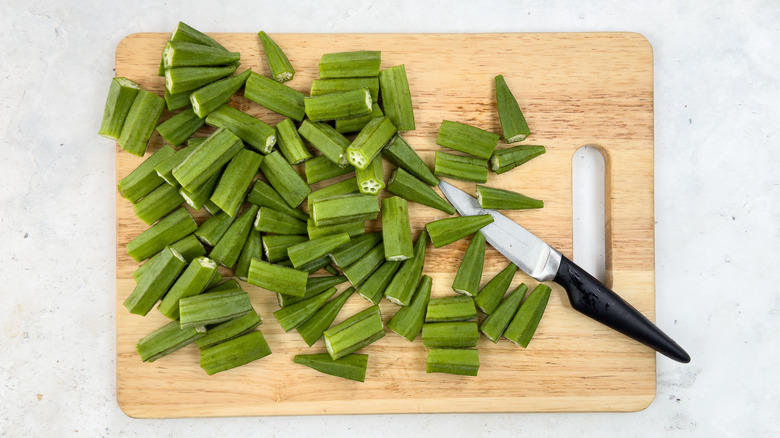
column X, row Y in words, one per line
column 544, row 263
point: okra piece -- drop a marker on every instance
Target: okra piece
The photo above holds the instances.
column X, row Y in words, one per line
column 325, row 139
column 448, row 230
column 290, row 143
column 212, row 229
column 211, row 208
column 188, row 34
column 293, row 315
column 408, row 321
column 213, row 307
column 370, row 141
column 396, row 229
column 401, row 289
column 466, row 138
column 460, row 167
column 195, row 141
column 406, row 185
column 140, row 122
column 207, row 159
column 513, row 124
column 344, row 209
column 229, row 330
column 500, row 199
column 178, row 100
column 216, row 279
column 165, row 167
column 276, row 278
column 355, row 249
column 253, row 249
column 275, row 96
column 188, row 79
column 494, row 325
column 321, row 168
column 490, row 296
column 352, row 228
column 234, row 353
column 354, row 333
column 314, row 286
column 194, row 280
column 284, row 179
column 251, row 130
column 212, row 96
column 275, row 245
column 503, row 160
column 143, row 179
column 458, row 361
column 180, row 127
column 198, row 198
column 525, row 322
column 347, row 187
column 231, row 284
column 121, row 95
column 271, row 221
column 263, row 195
column 396, row 97
column 167, row 339
column 359, row 271
column 459, row 334
column 310, row 267
column 171, row 228
column 228, row 249
column 320, row 87
column 450, row 309
column 310, row 250
column 337, row 106
column 184, row 54
column 331, row 269
column 355, row 64
column 189, row 248
column 402, row 155
column 157, row 204
column 371, row 179
column 155, row 282
column 280, row 66
column 351, row 367
column 235, row 180
column 355, row 124
column 469, row 274
column 373, row 288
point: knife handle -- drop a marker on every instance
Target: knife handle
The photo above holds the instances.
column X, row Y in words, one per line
column 590, row 297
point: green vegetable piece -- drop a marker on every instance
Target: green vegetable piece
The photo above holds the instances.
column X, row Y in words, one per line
column 513, row 123
column 275, row 96
column 230, row 330
column 460, row 167
column 166, row 340
column 198, row 198
column 213, row 307
column 143, row 179
column 354, row 333
column 355, row 249
column 194, row 280
column 253, row 249
column 284, row 179
column 228, row 249
column 503, row 160
column 320, row 87
column 401, row 289
column 140, row 122
column 450, row 309
column 448, row 230
column 408, row 321
column 264, row 195
column 331, row 270
column 183, row 54
column 271, row 221
column 351, row 367
column 469, row 274
column 121, row 95
column 326, row 140
column 459, row 361
column 466, row 138
column 344, row 209
column 337, row 106
column 371, row 179
column 500, row 199
column 216, row 279
column 252, row 131
column 396, row 97
column 276, row 278
column 231, row 284
column 188, row 34
column 155, row 282
column 165, row 167
column 494, row 325
column 280, row 66
column 490, row 296
column 290, row 143
column 157, row 204
column 396, row 229
column 356, row 64
column 352, row 228
column 459, row 334
column 369, row 142
column 212, row 96
column 171, row 228
column 404, row 184
column 234, row 353
column 374, row 286
column 305, row 252
column 177, row 101
column 211, row 208
column 321, row 168
column 402, row 155
column 275, row 245
column 235, row 180
column 525, row 322
column 212, row 229
column 207, row 159
column 314, row 286
column 189, row 248
column 293, row 315
column 347, row 187
column 359, row 271
column 355, row 124
column 184, row 79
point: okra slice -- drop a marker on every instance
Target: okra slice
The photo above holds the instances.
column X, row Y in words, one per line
column 344, row 209
column 234, row 353
column 228, row 249
column 271, row 221
column 194, row 280
column 252, row 131
column 347, row 187
column 143, row 179
column 396, row 229
column 165, row 167
column 402, row 155
column 167, row 339
column 490, row 296
column 359, row 271
column 371, row 179
column 370, row 141
column 355, row 124
column 352, row 228
column 373, row 288
column 171, row 228
column 494, row 325
column 354, row 333
column 401, row 289
column 469, row 274
column 121, row 95
column 275, row 96
column 229, row 330
column 293, row 315
column 503, row 160
column 460, row 167
column 320, row 87
column 314, row 286
column 450, row 309
column 231, row 284
column 459, row 334
column 213, row 307
column 253, row 249
column 284, row 179
column 458, row 361
column 525, row 322
column 207, row 159
column 275, row 245
column 290, row 143
column 331, row 269
column 466, row 138
column 355, row 249
column 352, row 366
column 198, row 198
column 263, row 195
column 336, row 106
column 408, row 321
column 406, row 185
column 280, row 66
column 235, row 180
column 311, row 267
column 448, row 230
column 357, row 64
column 155, row 282
column 513, row 124
column 321, row 168
column 178, row 100
column 396, row 97
column 180, row 127
column 183, row 54
column 211, row 208
column 188, row 34
column 189, row 248
column 216, row 279
column 140, row 122
column 212, row 96
column 500, row 199
column 310, row 250
column 157, row 204
column 184, row 79
column 213, row 228
column 325, row 139
column 276, row 278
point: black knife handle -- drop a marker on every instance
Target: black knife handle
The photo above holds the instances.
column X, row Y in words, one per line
column 590, row 297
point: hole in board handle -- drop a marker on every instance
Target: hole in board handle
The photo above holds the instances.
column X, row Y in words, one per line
column 588, row 211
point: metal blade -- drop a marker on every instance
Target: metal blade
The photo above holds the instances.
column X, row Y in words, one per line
column 520, row 246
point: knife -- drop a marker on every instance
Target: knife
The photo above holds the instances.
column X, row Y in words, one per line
column 542, row 262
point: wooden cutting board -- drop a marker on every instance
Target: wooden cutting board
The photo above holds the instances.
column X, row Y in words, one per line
column 575, row 90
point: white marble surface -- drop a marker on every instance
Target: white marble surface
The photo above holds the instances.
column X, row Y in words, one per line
column 717, row 192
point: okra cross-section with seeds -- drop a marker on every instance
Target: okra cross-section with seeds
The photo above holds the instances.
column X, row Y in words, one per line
column 370, row 141
column 371, row 179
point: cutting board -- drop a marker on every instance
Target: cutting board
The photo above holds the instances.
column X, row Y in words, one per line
column 575, row 89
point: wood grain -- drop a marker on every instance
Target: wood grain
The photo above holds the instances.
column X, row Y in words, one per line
column 575, row 90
